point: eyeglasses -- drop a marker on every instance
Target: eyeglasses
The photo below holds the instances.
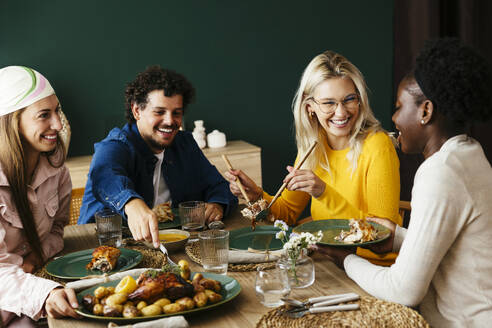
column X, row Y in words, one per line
column 329, row 106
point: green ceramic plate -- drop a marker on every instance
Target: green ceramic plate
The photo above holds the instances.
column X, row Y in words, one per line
column 230, row 289
column 171, row 224
column 262, row 238
column 73, row 265
column 332, row 228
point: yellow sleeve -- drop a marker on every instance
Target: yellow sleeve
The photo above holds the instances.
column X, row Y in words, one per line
column 383, row 181
column 289, row 205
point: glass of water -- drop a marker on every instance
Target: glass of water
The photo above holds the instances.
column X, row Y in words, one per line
column 192, row 215
column 214, row 250
column 271, row 286
column 108, row 225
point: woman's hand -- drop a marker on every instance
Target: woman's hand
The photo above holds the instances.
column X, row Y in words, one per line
column 335, row 254
column 252, row 190
column 304, row 180
column 387, row 245
column 31, row 263
column 61, row 302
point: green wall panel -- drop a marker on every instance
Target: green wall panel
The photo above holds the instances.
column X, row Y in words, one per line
column 245, row 59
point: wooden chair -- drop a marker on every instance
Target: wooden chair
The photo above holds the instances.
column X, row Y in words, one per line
column 75, row 204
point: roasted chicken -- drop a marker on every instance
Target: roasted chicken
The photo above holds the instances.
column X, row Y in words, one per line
column 153, row 284
column 104, row 258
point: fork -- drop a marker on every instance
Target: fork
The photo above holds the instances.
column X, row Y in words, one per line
column 164, row 250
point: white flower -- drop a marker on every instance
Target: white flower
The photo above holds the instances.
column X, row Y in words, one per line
column 281, row 225
column 280, row 235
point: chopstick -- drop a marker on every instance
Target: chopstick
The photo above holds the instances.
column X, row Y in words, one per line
column 238, row 181
column 296, row 167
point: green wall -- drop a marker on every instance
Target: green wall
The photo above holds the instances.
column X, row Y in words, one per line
column 245, row 59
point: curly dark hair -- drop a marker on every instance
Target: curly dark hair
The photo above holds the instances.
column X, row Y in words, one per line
column 456, row 79
column 156, row 78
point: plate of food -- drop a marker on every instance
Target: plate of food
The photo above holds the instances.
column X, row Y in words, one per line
column 346, row 233
column 168, row 217
column 103, row 259
column 156, row 294
column 262, row 238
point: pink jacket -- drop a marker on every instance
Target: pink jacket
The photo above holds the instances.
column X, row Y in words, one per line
column 49, row 196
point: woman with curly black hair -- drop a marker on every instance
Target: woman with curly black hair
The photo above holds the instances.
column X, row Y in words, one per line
column 444, row 256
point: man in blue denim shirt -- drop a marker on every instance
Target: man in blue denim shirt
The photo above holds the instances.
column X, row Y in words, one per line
column 150, row 161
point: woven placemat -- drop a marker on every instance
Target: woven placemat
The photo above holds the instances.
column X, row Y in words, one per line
column 372, row 313
column 151, row 258
column 193, row 251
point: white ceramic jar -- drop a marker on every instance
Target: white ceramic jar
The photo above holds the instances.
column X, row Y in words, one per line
column 216, row 139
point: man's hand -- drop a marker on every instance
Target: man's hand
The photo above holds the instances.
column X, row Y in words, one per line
column 387, row 245
column 142, row 221
column 213, row 212
column 304, row 180
column 335, row 254
column 31, row 263
column 252, row 190
column 61, row 302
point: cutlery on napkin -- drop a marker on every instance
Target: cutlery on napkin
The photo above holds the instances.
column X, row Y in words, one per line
column 254, row 256
column 171, row 322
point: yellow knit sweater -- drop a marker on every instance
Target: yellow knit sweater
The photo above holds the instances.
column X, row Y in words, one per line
column 373, row 189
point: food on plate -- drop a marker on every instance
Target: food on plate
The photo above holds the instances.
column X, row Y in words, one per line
column 254, row 209
column 360, row 231
column 164, row 212
column 126, row 285
column 156, row 290
column 104, row 258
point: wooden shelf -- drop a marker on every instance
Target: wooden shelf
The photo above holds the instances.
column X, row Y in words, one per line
column 242, row 155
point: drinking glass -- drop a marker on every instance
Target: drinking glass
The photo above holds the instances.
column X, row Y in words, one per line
column 214, row 249
column 192, row 215
column 271, row 286
column 108, row 224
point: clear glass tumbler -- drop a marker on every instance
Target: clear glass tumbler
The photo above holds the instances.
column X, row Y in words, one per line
column 108, row 225
column 271, row 286
column 192, row 215
column 214, row 250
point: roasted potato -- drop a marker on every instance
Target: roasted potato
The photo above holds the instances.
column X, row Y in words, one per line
column 88, row 301
column 141, row 305
column 197, row 277
column 200, row 299
column 116, row 299
column 185, row 269
column 151, row 310
column 212, row 296
column 187, row 302
column 130, row 311
column 110, row 290
column 101, row 292
column 113, row 310
column 98, row 309
column 173, row 308
column 128, row 303
column 162, row 302
column 210, row 284
column 103, row 300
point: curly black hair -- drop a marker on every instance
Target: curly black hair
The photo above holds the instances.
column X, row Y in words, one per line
column 456, row 79
column 156, row 78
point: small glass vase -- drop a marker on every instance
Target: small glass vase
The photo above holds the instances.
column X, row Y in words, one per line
column 301, row 273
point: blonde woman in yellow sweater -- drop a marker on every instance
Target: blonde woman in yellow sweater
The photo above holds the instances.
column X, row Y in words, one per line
column 354, row 170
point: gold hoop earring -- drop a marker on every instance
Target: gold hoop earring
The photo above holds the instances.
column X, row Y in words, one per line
column 311, row 115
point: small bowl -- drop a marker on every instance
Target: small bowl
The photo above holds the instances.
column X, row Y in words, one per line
column 172, row 246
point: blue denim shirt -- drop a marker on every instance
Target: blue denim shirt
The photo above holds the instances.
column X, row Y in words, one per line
column 123, row 165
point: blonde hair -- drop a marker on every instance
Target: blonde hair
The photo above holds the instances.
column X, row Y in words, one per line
column 12, row 162
column 325, row 66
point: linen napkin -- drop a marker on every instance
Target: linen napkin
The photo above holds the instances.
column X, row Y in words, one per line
column 170, row 322
column 86, row 283
column 254, row 256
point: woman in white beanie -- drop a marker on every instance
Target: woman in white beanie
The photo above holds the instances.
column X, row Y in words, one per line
column 35, row 189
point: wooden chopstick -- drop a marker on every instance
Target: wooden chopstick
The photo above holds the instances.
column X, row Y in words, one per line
column 238, row 181
column 296, row 167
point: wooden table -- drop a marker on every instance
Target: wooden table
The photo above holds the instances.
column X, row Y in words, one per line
column 245, row 310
